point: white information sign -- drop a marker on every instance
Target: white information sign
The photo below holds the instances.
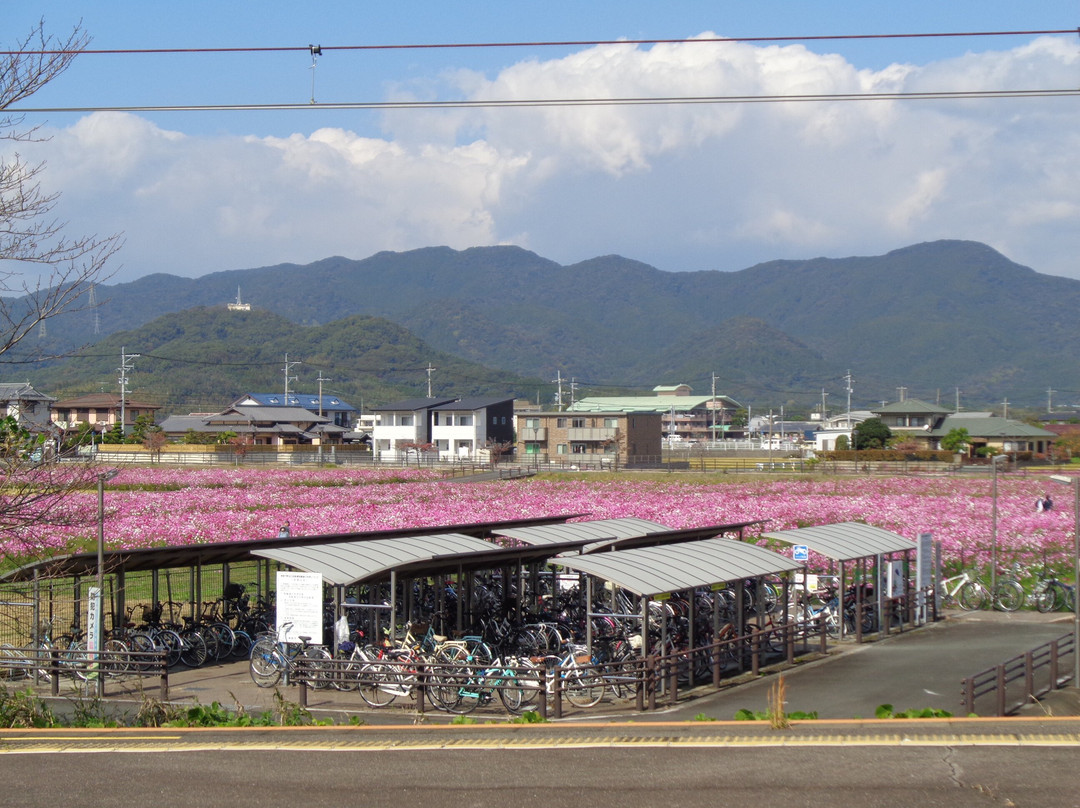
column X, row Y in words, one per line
column 93, row 619
column 800, row 552
column 300, row 606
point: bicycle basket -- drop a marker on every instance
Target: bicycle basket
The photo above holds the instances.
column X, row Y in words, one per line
column 233, row 591
column 151, row 614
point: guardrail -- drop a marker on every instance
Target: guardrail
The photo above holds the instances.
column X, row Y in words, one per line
column 1040, row 671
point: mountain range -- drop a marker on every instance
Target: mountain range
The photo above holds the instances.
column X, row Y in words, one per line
column 934, row 318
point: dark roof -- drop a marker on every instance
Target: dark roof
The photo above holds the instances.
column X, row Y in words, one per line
column 21, row 391
column 412, row 404
column 473, row 404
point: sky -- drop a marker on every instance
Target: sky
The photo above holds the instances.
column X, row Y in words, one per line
column 680, row 186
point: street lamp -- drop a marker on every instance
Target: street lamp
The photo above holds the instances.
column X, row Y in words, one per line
column 1075, row 483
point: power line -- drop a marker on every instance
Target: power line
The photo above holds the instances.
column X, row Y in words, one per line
column 941, row 95
column 575, row 43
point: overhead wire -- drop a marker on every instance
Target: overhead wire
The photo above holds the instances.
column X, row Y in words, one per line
column 573, row 43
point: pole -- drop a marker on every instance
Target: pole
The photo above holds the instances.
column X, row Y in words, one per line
column 994, row 536
column 1076, row 582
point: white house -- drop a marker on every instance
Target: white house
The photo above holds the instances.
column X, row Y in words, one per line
column 25, row 404
column 403, row 422
column 463, row 428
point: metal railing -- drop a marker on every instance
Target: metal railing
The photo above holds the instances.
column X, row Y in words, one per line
column 1019, row 680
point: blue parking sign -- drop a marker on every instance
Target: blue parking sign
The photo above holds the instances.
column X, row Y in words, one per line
column 800, row 553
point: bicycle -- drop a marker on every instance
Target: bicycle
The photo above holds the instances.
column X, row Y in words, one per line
column 273, row 658
column 971, row 595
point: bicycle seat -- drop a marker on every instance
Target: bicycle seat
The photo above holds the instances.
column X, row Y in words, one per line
column 304, row 639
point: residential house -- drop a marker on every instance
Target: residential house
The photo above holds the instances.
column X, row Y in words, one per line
column 927, row 424
column 623, row 438
column 465, row 427
column 100, row 410
column 687, row 418
column 339, row 412
column 27, row 406
column 404, row 422
column 453, row 428
column 262, row 426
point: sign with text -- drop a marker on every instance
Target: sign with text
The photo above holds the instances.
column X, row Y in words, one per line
column 299, row 606
column 93, row 619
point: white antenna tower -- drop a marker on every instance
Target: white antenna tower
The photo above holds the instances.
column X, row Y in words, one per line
column 288, row 367
column 126, row 366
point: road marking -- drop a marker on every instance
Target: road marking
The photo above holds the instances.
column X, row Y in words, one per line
column 180, row 743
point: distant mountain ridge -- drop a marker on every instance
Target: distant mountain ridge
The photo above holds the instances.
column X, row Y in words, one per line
column 931, row 317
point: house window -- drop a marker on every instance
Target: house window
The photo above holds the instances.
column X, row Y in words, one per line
column 577, row 423
column 611, row 423
column 578, row 448
column 503, row 421
column 560, row 423
column 532, row 423
column 405, row 420
column 494, row 420
column 532, row 448
column 560, row 449
column 464, row 420
column 435, row 419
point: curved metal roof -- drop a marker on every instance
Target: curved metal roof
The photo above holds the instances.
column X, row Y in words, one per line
column 650, row 571
column 845, row 541
column 597, row 530
column 344, row 563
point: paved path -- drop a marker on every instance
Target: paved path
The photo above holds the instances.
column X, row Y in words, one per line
column 915, row 670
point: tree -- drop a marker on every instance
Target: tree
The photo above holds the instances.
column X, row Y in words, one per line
column 43, row 272
column 872, row 434
column 957, row 441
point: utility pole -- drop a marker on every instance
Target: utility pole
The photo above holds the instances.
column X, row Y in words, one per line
column 126, row 366
column 957, row 399
column 1050, row 399
column 573, row 390
column 558, row 393
column 288, row 368
column 848, row 381
column 430, row 370
column 823, row 394
column 1005, row 404
column 320, row 380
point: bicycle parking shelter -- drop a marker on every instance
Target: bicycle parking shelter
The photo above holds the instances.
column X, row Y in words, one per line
column 848, row 543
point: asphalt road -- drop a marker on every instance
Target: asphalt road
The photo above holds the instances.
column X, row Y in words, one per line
column 929, row 763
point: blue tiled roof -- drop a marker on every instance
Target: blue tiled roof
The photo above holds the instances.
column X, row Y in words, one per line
column 305, row 400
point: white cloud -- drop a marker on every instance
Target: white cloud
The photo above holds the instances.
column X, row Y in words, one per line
column 682, row 186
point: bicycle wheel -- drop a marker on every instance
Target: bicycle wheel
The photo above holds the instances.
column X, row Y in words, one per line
column 1009, row 596
column 512, row 692
column 973, row 596
column 224, row 637
column 378, row 684
column 193, row 652
column 266, row 664
column 582, row 688
column 318, row 673
column 1047, row 600
column 242, row 645
column 75, row 660
column 169, row 641
column 117, row 660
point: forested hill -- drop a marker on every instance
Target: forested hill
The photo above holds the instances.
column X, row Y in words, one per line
column 930, row 317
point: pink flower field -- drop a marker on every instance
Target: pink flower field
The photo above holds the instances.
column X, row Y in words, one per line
column 152, row 507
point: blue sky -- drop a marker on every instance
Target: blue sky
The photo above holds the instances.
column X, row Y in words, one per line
column 682, row 187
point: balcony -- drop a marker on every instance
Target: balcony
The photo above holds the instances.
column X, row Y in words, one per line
column 587, row 435
column 533, row 434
